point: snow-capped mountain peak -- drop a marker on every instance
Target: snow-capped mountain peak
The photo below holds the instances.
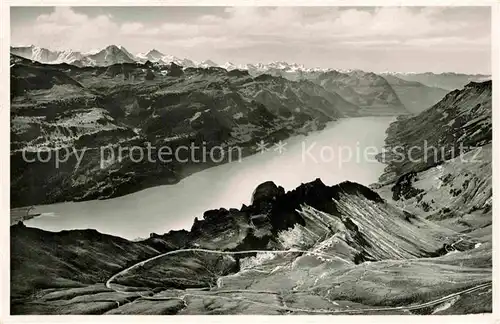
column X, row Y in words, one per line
column 109, row 55
column 68, row 56
column 229, row 66
column 44, row 55
column 153, row 56
column 207, row 64
column 155, row 52
column 91, row 52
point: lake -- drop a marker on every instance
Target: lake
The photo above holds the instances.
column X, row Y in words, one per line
column 344, row 150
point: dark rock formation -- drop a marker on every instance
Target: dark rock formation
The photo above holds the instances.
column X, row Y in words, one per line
column 175, row 70
column 403, row 187
column 265, row 195
column 149, row 75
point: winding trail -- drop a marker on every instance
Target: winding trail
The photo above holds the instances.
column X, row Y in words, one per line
column 142, row 263
column 215, row 294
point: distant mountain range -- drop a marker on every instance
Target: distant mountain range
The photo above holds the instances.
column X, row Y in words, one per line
column 448, row 80
column 44, row 55
column 109, row 55
column 114, row 54
column 371, row 93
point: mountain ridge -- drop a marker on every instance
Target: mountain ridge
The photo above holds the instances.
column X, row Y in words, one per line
column 254, row 68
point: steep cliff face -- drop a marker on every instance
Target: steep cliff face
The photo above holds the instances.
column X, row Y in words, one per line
column 310, row 250
column 447, row 178
column 460, row 122
column 82, row 113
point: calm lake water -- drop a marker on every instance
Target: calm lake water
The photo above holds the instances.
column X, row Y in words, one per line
column 324, row 154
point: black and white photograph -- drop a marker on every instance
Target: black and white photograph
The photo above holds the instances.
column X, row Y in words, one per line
column 250, row 160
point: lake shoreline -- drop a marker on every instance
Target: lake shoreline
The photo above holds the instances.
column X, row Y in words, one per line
column 229, row 175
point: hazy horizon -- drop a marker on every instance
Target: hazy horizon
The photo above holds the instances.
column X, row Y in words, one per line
column 378, row 39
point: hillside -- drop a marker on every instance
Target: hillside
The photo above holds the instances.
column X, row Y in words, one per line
column 369, row 91
column 415, row 96
column 460, row 122
column 316, row 249
column 450, row 186
column 77, row 111
column 448, row 81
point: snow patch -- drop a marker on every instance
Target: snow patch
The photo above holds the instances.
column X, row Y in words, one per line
column 291, row 238
column 195, row 117
column 446, row 305
column 257, row 260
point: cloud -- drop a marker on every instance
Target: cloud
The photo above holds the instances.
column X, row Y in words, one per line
column 256, row 29
column 386, row 25
column 64, row 28
column 131, row 28
column 63, row 16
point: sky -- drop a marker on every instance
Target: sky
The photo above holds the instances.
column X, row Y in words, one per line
column 405, row 39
